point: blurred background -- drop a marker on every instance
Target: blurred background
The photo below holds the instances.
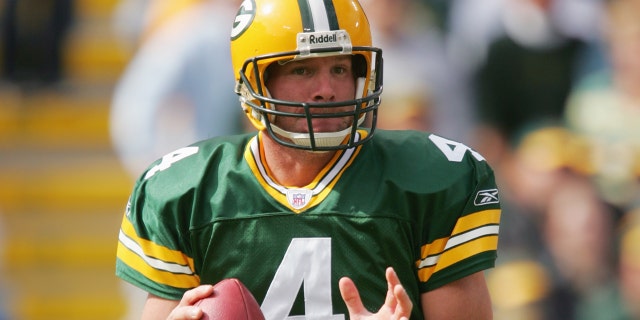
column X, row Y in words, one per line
column 548, row 91
column 62, row 187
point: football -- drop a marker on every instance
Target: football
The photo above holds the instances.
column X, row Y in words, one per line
column 230, row 300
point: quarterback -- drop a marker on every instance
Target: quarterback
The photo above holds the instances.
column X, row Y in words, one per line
column 318, row 213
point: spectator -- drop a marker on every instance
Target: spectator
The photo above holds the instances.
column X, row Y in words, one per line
column 33, row 34
column 528, row 71
column 421, row 88
column 604, row 112
column 178, row 88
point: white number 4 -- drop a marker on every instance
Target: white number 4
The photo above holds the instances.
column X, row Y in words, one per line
column 307, row 261
column 170, row 159
column 454, row 151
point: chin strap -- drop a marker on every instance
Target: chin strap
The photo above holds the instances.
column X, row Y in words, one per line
column 322, row 139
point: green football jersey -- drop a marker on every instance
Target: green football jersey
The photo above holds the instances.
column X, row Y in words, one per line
column 425, row 205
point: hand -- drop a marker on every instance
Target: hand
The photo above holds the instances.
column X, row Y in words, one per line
column 397, row 305
column 186, row 309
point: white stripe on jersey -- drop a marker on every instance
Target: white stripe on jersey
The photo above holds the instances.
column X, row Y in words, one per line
column 460, row 239
column 153, row 262
column 322, row 184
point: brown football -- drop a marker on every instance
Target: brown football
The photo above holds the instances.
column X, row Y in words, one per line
column 230, row 300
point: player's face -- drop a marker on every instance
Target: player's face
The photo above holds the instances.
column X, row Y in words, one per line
column 326, row 79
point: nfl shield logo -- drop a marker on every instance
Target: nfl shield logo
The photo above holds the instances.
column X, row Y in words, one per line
column 298, row 198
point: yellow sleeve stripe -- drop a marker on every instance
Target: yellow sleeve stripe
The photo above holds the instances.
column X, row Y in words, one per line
column 464, row 224
column 459, row 240
column 477, row 219
column 174, row 269
column 473, row 234
column 154, row 250
column 136, row 262
column 458, row 254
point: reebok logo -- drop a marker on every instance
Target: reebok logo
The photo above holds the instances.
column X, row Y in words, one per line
column 484, row 197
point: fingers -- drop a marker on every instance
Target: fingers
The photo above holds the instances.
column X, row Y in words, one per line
column 392, row 277
column 194, row 295
column 185, row 313
column 400, row 301
column 351, row 297
column 404, row 304
column 392, row 282
column 186, row 308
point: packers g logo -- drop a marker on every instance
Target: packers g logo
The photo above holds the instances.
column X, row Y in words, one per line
column 243, row 19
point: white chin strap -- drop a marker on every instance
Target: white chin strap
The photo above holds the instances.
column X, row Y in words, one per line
column 323, row 139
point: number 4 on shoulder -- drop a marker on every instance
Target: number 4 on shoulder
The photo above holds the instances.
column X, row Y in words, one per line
column 170, row 159
column 454, row 151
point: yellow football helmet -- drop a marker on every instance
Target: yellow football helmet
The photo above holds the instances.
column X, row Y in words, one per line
column 268, row 31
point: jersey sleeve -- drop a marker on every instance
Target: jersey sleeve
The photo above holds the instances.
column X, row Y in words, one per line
column 153, row 244
column 463, row 235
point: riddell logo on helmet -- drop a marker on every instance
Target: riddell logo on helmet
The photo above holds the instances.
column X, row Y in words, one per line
column 323, row 38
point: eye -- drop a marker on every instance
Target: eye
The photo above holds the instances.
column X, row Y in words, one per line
column 340, row 70
column 300, row 71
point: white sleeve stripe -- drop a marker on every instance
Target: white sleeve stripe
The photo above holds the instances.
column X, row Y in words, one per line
column 429, row 261
column 458, row 240
column 153, row 262
column 471, row 235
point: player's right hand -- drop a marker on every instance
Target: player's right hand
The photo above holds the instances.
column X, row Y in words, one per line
column 186, row 309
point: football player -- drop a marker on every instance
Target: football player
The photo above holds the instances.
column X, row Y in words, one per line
column 319, row 219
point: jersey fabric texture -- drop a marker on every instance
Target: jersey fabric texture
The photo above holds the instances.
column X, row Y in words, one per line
column 425, row 205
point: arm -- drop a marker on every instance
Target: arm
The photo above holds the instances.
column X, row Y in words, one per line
column 157, row 308
column 467, row 298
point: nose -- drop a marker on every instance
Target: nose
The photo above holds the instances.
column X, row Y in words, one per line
column 324, row 87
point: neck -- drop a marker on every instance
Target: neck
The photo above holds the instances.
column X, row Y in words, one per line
column 293, row 167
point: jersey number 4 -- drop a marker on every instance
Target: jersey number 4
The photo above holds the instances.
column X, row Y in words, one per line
column 307, row 261
column 170, row 159
column 454, row 151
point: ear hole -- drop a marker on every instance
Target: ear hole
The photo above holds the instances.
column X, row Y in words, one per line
column 359, row 66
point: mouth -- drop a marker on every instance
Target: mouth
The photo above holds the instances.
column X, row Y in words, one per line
column 328, row 124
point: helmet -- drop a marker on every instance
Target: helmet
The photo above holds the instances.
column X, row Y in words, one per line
column 268, row 31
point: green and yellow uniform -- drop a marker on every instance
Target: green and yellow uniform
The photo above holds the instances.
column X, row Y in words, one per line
column 422, row 204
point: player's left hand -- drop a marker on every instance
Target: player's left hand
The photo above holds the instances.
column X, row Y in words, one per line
column 397, row 305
